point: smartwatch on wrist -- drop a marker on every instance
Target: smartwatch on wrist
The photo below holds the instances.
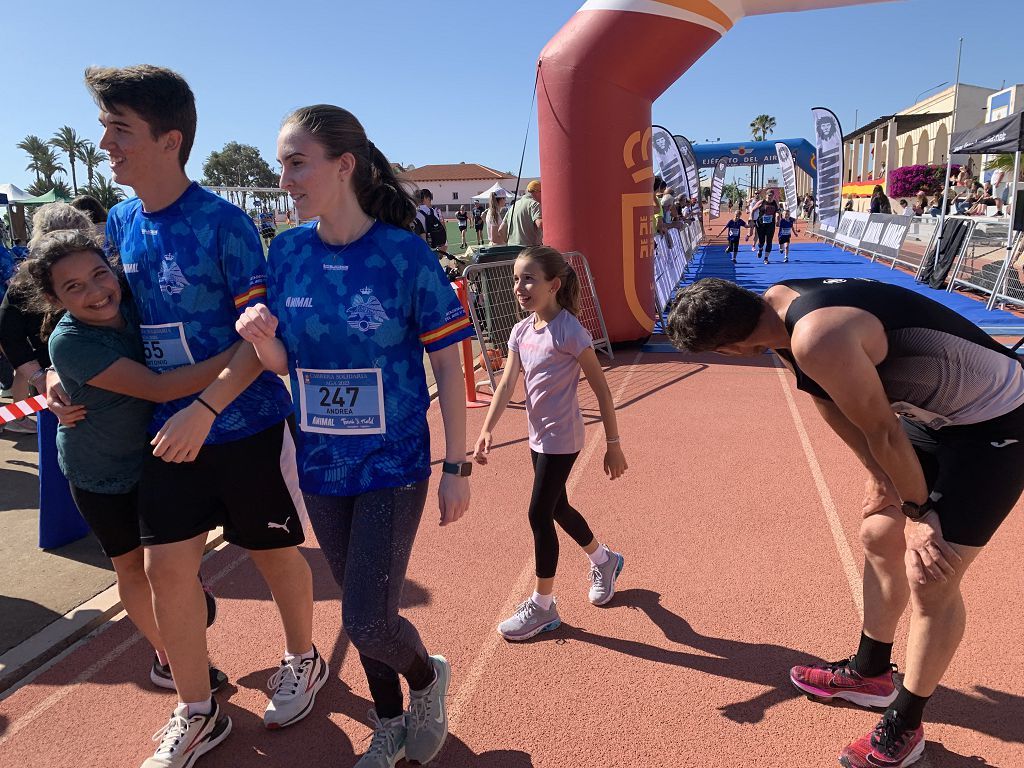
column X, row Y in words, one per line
column 462, row 469
column 916, row 511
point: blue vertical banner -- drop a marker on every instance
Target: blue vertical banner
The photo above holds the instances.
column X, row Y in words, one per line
column 828, row 145
column 717, row 185
column 788, row 175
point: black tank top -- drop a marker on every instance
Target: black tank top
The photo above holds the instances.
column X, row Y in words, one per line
column 769, row 209
column 940, row 368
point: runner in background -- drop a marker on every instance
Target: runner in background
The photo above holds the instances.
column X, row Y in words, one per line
column 550, row 346
column 239, row 471
column 463, row 219
column 756, row 198
column 478, row 222
column 353, row 303
column 765, row 218
column 787, row 228
column 267, row 224
column 735, row 226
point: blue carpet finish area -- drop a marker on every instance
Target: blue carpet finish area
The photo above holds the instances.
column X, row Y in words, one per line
column 821, row 260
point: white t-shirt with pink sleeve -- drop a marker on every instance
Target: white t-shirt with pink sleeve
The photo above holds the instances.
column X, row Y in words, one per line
column 551, row 369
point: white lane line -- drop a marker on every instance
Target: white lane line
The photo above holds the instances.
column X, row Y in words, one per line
column 471, row 679
column 89, row 672
column 831, row 513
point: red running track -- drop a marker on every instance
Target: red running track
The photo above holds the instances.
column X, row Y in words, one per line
column 738, row 521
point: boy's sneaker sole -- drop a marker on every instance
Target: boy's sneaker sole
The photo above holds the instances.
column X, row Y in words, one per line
column 551, row 625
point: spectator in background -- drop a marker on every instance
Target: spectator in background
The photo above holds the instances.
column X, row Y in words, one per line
column 983, row 199
column 809, row 207
column 523, row 224
column 920, row 205
column 905, row 209
column 935, row 206
column 478, row 221
column 21, row 326
column 429, row 223
column 849, row 203
column 492, row 219
column 97, row 214
column 879, row 201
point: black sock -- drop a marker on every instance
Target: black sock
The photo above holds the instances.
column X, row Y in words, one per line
column 873, row 657
column 910, row 707
column 387, row 696
column 421, row 675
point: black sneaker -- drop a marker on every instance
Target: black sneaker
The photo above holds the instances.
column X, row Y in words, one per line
column 160, row 676
column 211, row 604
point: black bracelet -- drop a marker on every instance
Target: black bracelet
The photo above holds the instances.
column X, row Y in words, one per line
column 207, row 406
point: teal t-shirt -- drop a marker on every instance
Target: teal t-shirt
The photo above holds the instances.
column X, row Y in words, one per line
column 103, row 452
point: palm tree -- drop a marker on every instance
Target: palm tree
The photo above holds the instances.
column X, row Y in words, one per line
column 66, row 140
column 108, row 194
column 761, row 127
column 36, row 148
column 91, row 158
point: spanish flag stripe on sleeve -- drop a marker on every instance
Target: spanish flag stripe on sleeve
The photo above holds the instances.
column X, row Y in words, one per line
column 254, row 292
column 445, row 330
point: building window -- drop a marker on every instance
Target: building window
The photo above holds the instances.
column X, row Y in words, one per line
column 455, row 195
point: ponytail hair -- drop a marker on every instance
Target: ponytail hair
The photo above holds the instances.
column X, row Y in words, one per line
column 553, row 264
column 377, row 188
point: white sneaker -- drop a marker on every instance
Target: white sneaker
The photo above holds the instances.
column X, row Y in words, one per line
column 295, row 685
column 23, row 426
column 185, row 739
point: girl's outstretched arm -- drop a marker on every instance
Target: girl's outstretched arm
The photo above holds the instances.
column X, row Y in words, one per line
column 502, row 394
column 614, row 460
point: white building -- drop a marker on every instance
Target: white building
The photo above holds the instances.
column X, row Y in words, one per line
column 455, row 185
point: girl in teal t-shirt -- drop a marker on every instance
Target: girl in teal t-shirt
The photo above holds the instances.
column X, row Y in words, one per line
column 97, row 351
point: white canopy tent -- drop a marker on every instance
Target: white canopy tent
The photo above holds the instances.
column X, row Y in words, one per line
column 497, row 188
column 14, row 194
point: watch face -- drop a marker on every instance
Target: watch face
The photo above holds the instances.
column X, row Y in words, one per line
column 467, row 469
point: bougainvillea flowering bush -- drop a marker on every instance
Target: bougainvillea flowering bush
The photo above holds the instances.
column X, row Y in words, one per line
column 906, row 181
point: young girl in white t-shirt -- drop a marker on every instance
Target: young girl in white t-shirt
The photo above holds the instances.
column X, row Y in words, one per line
column 550, row 347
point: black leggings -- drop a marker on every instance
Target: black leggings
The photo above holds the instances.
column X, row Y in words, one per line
column 367, row 540
column 765, row 235
column 550, row 504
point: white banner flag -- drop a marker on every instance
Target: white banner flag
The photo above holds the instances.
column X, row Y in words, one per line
column 828, row 146
column 717, row 184
column 788, row 176
column 689, row 166
column 669, row 162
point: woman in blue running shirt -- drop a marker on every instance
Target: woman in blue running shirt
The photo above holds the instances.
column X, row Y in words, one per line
column 353, row 301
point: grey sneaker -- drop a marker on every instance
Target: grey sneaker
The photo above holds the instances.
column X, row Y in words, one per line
column 427, row 718
column 529, row 620
column 387, row 745
column 602, row 577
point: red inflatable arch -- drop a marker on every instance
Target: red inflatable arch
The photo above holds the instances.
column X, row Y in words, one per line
column 598, row 78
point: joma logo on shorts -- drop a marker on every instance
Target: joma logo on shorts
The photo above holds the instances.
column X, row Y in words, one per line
column 299, row 302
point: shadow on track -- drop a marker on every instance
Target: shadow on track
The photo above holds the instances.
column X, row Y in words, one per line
column 994, row 713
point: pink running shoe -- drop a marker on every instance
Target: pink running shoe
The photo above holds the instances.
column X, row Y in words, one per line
column 839, row 680
column 888, row 746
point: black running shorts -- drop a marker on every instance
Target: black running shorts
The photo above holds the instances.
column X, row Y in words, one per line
column 250, row 486
column 973, row 473
column 113, row 517
column 783, row 239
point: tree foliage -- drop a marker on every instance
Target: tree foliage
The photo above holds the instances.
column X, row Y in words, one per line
column 68, row 141
column 107, row 193
column 238, row 165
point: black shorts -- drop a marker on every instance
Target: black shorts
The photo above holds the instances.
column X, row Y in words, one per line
column 462, row 227
column 733, row 246
column 250, row 486
column 784, row 239
column 973, row 473
column 113, row 517
column 479, row 227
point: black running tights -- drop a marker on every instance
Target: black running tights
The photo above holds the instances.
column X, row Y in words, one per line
column 550, row 504
column 765, row 235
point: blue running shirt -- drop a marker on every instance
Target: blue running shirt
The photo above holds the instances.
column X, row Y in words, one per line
column 785, row 227
column 355, row 321
column 735, row 228
column 192, row 267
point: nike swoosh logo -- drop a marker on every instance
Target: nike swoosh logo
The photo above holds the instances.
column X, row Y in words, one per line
column 842, row 686
column 1003, row 444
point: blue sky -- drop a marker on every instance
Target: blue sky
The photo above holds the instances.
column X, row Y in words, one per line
column 386, row 60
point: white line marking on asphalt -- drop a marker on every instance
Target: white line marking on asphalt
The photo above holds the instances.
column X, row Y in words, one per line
column 831, row 513
column 87, row 674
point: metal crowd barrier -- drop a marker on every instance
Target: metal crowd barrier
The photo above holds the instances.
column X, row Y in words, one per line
column 495, row 311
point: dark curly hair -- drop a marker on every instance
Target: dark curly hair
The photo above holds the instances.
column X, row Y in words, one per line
column 712, row 313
